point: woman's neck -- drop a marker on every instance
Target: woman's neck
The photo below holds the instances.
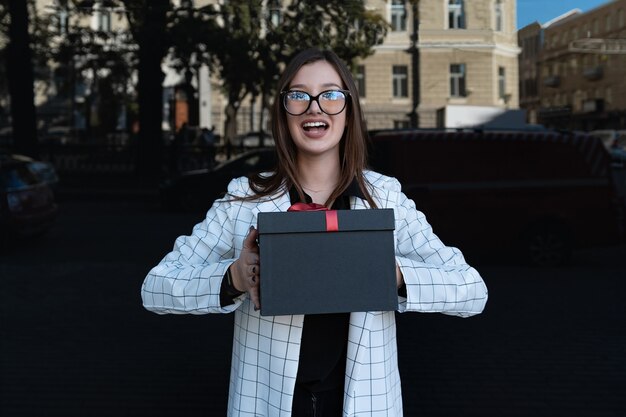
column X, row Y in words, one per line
column 319, row 176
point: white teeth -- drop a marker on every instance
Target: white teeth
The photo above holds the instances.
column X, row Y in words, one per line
column 314, row 124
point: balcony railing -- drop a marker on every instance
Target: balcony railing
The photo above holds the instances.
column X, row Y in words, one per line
column 593, row 105
column 593, row 73
column 552, row 81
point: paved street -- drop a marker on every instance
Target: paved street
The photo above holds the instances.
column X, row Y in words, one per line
column 75, row 340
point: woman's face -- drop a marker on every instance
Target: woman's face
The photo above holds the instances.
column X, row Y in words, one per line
column 315, row 132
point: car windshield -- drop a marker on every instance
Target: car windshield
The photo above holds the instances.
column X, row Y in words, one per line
column 16, row 177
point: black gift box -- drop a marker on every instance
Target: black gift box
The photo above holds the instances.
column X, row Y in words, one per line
column 307, row 267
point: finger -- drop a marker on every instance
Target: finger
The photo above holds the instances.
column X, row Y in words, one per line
column 254, row 297
column 249, row 242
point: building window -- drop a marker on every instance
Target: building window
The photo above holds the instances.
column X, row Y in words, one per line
column 498, row 12
column 457, row 80
column 101, row 18
column 275, row 12
column 400, row 81
column 104, row 21
column 398, row 16
column 359, row 77
column 620, row 18
column 596, row 27
column 607, row 22
column 62, row 21
column 401, row 124
column 456, row 14
column 501, row 83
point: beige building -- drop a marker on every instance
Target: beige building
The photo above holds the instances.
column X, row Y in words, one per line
column 579, row 69
column 530, row 39
column 468, row 56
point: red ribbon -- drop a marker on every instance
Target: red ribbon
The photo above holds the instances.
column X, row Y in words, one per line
column 332, row 223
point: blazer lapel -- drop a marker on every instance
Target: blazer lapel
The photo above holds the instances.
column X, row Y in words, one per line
column 274, row 203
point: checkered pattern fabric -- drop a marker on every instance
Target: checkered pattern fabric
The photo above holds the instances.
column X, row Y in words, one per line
column 266, row 349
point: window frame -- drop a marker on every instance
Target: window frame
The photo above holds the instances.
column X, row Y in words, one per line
column 458, row 80
column 456, row 14
column 274, row 13
column 400, row 81
column 501, row 82
column 360, row 80
column 398, row 16
column 498, row 11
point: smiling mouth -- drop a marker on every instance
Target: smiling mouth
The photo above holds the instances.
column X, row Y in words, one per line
column 308, row 126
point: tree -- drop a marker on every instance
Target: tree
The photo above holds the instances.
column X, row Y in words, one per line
column 19, row 68
column 101, row 59
column 248, row 49
column 148, row 22
column 347, row 28
column 111, row 63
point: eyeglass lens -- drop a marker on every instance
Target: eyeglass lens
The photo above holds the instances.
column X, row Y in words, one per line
column 330, row 102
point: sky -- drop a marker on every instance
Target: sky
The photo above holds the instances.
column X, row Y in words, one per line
column 542, row 11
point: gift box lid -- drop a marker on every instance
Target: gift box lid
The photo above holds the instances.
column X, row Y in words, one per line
column 315, row 221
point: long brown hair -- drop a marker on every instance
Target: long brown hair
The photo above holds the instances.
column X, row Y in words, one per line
column 352, row 148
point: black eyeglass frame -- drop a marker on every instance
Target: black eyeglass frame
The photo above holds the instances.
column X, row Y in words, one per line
column 316, row 99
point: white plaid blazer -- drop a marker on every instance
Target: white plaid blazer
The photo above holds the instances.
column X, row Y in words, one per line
column 266, row 349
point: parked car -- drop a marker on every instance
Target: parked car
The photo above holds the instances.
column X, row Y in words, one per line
column 612, row 139
column 57, row 135
column 44, row 170
column 196, row 190
column 27, row 206
column 527, row 195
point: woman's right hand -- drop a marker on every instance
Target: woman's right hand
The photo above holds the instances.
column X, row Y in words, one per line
column 245, row 271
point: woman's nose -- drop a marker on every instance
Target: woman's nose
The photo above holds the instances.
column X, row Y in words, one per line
column 317, row 108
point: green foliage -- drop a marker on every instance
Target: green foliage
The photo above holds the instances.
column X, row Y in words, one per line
column 40, row 34
column 239, row 41
column 345, row 27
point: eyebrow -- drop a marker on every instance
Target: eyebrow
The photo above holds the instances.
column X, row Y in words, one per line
column 323, row 85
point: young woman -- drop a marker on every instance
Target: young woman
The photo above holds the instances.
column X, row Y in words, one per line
column 314, row 365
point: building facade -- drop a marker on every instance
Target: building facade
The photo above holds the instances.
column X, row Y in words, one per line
column 468, row 56
column 530, row 40
column 580, row 62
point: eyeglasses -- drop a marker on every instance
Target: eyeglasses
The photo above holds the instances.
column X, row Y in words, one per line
column 330, row 102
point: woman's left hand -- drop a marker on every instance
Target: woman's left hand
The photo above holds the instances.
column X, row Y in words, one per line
column 246, row 269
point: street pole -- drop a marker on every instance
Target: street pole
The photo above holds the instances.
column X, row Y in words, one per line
column 415, row 65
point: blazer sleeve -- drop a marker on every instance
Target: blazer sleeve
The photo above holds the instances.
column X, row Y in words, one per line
column 189, row 278
column 437, row 277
